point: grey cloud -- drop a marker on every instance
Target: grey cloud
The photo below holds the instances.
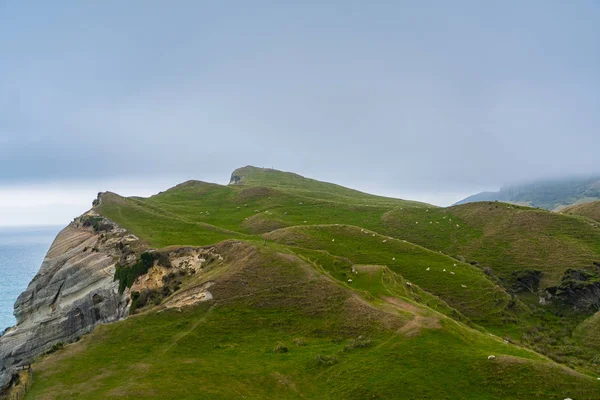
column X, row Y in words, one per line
column 408, row 98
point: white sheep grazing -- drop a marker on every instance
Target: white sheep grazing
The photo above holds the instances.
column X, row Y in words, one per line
column 333, row 240
column 455, row 265
column 384, row 240
column 491, row 357
column 349, row 280
column 416, row 222
column 304, row 221
column 255, row 210
column 300, row 203
column 457, row 225
column 373, row 235
column 408, row 284
column 444, row 270
column 464, row 286
column 451, row 272
column 201, row 213
column 393, row 258
column 427, row 269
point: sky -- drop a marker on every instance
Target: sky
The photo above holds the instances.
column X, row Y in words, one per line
column 427, row 100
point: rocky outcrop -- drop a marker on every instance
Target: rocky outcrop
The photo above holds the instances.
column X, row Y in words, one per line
column 73, row 291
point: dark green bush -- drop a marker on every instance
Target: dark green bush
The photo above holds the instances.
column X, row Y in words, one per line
column 322, row 360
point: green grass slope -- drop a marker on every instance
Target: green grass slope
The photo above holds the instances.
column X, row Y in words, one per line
column 501, row 236
column 338, row 344
column 332, row 229
column 589, row 210
column 461, row 285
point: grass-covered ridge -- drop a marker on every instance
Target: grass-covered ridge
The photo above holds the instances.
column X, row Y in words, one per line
column 336, row 293
column 279, row 328
column 589, row 210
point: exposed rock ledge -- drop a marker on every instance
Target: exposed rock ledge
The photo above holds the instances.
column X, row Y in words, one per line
column 73, row 291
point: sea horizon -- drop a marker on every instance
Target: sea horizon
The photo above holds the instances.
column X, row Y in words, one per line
column 22, row 250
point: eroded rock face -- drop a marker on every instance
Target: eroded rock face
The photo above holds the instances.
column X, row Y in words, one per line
column 73, row 291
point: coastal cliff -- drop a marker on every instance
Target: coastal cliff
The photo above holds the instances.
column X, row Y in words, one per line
column 73, row 291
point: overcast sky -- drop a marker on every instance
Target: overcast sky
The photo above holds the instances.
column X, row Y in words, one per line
column 429, row 100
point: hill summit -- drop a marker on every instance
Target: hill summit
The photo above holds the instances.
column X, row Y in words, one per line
column 280, row 286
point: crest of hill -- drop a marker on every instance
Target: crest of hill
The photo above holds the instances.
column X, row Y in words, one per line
column 590, row 210
column 289, row 181
column 547, row 194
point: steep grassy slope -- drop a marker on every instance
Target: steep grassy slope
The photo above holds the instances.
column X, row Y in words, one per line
column 501, row 236
column 496, row 235
column 278, row 328
column 461, row 285
column 397, row 242
column 589, row 210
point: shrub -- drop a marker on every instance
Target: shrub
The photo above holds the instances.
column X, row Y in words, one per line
column 127, row 275
column 299, row 342
column 326, row 360
column 55, row 347
column 358, row 343
column 280, row 348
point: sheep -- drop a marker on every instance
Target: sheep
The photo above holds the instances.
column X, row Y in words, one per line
column 416, row 222
column 457, row 225
column 393, row 258
column 384, row 240
column 427, row 269
column 451, row 272
column 304, row 221
column 349, row 280
column 444, row 270
column 463, row 286
column 455, row 264
column 300, row 203
column 408, row 284
column 333, row 240
column 373, row 235
column 255, row 211
column 492, row 357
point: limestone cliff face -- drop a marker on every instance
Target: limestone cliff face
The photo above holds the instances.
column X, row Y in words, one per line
column 73, row 291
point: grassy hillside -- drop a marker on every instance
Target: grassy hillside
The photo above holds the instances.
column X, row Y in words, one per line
column 313, row 266
column 278, row 328
column 589, row 210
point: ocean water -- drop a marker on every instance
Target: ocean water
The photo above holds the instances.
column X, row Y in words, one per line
column 21, row 253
